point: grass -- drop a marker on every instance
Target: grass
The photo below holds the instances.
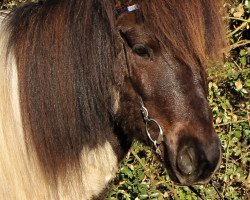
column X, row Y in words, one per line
column 143, row 177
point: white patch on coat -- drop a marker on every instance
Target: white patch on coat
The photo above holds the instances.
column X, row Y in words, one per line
column 21, row 177
column 98, row 167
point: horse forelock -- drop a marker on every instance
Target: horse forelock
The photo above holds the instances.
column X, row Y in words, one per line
column 192, row 30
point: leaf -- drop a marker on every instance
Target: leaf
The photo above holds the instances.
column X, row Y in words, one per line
column 244, row 91
column 238, row 85
column 218, row 120
column 243, row 52
column 247, row 83
column 247, row 4
column 144, row 196
column 239, row 11
column 215, row 86
column 243, row 60
column 235, row 118
column 127, row 171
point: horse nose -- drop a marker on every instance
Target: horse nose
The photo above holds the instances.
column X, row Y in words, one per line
column 186, row 160
column 196, row 163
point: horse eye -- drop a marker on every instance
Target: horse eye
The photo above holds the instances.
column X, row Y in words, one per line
column 142, row 50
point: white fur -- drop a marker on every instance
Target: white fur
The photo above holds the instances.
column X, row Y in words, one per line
column 21, row 177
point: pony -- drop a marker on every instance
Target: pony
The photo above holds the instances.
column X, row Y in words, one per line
column 81, row 79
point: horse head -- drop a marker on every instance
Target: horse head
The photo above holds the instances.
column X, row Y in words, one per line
column 164, row 102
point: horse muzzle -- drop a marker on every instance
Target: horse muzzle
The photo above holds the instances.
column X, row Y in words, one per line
column 193, row 163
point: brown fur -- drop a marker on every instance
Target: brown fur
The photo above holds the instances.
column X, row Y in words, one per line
column 66, row 56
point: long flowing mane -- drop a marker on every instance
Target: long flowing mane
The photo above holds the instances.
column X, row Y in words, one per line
column 65, row 52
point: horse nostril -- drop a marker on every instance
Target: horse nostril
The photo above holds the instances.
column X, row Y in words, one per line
column 186, row 160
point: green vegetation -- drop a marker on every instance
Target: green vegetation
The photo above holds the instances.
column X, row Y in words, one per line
column 143, row 177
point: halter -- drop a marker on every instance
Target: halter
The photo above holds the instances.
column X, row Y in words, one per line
column 149, row 121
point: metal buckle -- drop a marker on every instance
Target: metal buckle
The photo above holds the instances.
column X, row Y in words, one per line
column 127, row 9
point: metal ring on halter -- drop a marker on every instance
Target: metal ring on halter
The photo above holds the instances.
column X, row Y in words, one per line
column 160, row 136
column 148, row 120
column 159, row 139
